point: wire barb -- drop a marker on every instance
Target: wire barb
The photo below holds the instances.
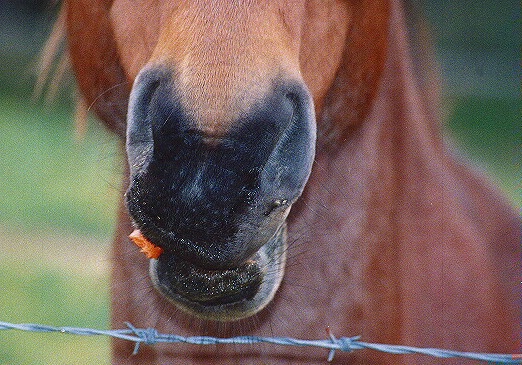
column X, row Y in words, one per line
column 151, row 336
column 148, row 336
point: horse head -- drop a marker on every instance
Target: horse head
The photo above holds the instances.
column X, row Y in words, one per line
column 221, row 132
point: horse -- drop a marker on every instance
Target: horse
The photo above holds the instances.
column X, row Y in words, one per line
column 287, row 159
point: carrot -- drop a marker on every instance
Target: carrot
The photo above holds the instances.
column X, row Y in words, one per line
column 148, row 248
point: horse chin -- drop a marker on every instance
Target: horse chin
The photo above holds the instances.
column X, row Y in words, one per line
column 222, row 295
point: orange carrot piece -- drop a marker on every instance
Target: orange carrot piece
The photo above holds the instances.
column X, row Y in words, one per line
column 148, row 248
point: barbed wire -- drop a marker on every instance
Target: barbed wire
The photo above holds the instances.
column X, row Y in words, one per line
column 151, row 336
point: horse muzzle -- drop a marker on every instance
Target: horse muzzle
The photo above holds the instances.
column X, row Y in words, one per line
column 217, row 203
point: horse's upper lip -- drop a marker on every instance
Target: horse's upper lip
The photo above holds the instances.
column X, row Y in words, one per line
column 205, row 255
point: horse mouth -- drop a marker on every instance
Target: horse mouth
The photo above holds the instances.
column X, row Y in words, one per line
column 224, row 294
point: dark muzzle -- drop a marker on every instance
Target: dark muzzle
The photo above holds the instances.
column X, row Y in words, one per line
column 212, row 202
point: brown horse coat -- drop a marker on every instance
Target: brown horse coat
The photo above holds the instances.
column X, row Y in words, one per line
column 393, row 238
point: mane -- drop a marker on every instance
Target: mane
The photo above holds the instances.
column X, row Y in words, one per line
column 54, row 69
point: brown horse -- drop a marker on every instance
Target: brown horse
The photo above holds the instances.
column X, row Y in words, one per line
column 235, row 112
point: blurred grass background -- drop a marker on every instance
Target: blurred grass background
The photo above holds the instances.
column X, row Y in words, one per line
column 58, row 197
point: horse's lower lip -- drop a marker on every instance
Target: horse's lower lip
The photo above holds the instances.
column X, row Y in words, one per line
column 209, row 287
column 225, row 294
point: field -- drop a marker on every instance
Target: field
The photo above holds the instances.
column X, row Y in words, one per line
column 58, row 201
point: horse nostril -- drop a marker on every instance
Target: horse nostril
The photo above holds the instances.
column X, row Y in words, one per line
column 156, row 122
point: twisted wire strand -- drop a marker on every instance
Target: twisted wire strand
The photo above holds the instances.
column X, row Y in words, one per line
column 151, row 336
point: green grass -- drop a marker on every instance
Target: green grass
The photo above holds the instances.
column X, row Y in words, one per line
column 51, row 296
column 49, row 181
column 58, row 202
column 489, row 133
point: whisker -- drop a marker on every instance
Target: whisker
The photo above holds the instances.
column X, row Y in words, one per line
column 105, row 92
